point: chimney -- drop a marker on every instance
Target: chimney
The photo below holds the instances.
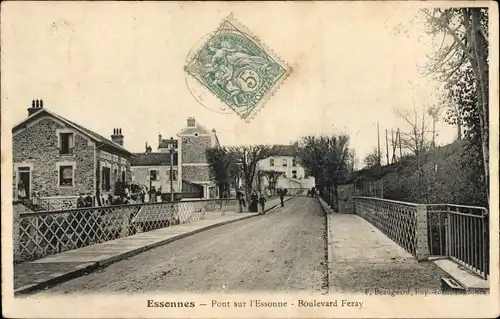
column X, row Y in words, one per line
column 159, row 138
column 36, row 105
column 117, row 136
column 191, row 122
column 148, row 148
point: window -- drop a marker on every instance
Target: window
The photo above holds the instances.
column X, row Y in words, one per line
column 271, row 161
column 294, row 174
column 174, row 176
column 106, row 178
column 123, row 176
column 284, row 162
column 153, row 175
column 294, row 162
column 66, row 175
column 66, row 143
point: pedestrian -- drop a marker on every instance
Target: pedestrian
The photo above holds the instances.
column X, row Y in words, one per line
column 262, row 201
column 282, row 197
column 254, row 202
column 21, row 191
column 89, row 201
column 146, row 196
column 241, row 200
column 80, row 202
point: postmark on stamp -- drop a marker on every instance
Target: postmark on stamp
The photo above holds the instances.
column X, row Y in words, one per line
column 238, row 69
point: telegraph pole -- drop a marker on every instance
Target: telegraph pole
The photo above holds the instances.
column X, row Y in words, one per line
column 387, row 147
column 378, row 145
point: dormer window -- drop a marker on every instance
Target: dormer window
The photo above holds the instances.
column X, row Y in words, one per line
column 66, row 143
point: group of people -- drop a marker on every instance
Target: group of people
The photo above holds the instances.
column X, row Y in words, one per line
column 312, row 192
column 87, row 201
column 258, row 199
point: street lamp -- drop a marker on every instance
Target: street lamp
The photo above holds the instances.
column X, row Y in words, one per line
column 171, row 149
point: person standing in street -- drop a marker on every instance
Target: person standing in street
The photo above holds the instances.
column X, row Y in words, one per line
column 262, row 202
column 282, row 197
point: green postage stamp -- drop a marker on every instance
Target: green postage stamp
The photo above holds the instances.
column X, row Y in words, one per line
column 238, row 69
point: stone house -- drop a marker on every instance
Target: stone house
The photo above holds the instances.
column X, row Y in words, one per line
column 60, row 159
column 285, row 161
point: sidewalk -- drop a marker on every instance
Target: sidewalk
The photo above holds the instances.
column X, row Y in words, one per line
column 48, row 271
column 362, row 259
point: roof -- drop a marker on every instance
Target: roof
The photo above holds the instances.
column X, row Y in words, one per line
column 93, row 135
column 285, row 150
column 164, row 143
column 152, row 159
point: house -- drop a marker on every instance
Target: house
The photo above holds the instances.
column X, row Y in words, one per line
column 60, row 159
column 152, row 169
column 194, row 140
column 285, row 162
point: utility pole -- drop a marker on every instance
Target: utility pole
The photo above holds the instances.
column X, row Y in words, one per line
column 378, row 145
column 387, row 147
column 400, row 148
column 394, row 146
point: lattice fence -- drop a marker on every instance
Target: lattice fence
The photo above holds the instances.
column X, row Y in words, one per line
column 397, row 220
column 45, row 233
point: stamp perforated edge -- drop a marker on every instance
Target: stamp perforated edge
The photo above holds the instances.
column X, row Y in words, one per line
column 267, row 97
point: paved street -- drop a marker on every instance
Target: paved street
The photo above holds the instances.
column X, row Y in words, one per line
column 284, row 250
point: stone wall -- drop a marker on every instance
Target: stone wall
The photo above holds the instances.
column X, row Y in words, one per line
column 60, row 203
column 196, row 173
column 38, row 145
column 194, row 148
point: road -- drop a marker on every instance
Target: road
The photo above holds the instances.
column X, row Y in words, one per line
column 284, row 250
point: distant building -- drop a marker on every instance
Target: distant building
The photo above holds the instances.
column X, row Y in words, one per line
column 153, row 169
column 285, row 161
column 191, row 171
column 194, row 140
column 60, row 159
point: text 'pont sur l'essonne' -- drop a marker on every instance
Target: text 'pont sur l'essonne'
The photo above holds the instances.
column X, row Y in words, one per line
column 256, row 303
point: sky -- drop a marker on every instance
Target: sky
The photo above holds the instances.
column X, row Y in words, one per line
column 120, row 65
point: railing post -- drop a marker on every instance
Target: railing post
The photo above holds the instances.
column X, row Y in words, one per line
column 448, row 232
column 422, row 244
column 16, row 233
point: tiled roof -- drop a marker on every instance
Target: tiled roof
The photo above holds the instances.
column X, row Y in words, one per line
column 285, row 150
column 89, row 133
column 152, row 159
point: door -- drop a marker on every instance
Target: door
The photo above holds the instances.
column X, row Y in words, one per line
column 25, row 179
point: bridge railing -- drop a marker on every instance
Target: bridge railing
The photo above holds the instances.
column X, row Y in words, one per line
column 49, row 232
column 404, row 223
column 455, row 231
column 461, row 233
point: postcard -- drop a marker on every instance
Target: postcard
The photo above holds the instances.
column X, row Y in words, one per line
column 329, row 159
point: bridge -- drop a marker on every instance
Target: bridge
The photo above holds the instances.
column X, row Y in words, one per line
column 198, row 246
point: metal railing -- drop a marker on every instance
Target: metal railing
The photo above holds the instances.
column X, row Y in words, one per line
column 455, row 231
column 397, row 220
column 461, row 233
column 50, row 232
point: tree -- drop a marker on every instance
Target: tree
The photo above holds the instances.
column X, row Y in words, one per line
column 221, row 163
column 272, row 178
column 327, row 158
column 464, row 50
column 371, row 159
column 247, row 158
column 416, row 139
column 434, row 111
